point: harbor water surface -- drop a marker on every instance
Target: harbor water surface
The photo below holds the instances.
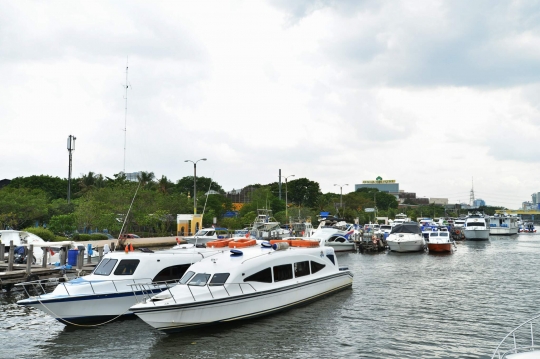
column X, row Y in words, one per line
column 415, row 305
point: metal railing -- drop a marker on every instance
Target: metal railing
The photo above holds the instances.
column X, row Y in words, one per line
column 514, row 347
column 147, row 290
column 39, row 285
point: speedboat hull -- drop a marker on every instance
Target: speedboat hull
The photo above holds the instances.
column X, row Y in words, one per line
column 406, row 243
column 440, row 247
column 476, row 234
column 503, row 231
column 341, row 247
column 176, row 317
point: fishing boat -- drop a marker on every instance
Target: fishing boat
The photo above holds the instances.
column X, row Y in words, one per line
column 205, row 235
column 503, row 224
column 476, row 227
column 243, row 283
column 440, row 240
column 106, row 294
column 406, row 237
column 519, row 343
column 266, row 226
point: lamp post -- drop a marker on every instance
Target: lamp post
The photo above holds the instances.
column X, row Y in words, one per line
column 195, row 183
column 341, row 194
column 286, row 213
column 70, row 147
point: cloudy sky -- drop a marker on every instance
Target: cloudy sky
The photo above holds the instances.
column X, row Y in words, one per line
column 429, row 93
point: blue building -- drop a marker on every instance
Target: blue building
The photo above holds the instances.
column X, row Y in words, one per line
column 479, row 203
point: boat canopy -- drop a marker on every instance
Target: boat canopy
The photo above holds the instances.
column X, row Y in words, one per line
column 409, row 227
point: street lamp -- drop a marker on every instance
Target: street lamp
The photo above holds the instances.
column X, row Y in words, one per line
column 341, row 194
column 70, row 147
column 286, row 215
column 195, row 183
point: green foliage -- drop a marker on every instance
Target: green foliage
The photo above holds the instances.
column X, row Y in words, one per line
column 62, row 223
column 82, row 237
column 185, row 185
column 98, row 237
column 43, row 233
column 54, row 187
column 20, row 207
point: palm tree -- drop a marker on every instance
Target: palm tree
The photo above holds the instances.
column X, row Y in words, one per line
column 146, row 178
column 164, row 184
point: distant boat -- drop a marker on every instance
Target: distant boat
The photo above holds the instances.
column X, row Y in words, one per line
column 503, row 224
column 406, row 237
column 476, row 227
column 440, row 241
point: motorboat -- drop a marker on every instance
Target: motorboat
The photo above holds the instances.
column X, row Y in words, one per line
column 519, row 343
column 476, row 227
column 400, row 219
column 406, row 237
column 385, row 228
column 440, row 240
column 205, row 235
column 25, row 239
column 332, row 237
column 266, row 226
column 243, row 283
column 503, row 224
column 528, row 227
column 106, row 294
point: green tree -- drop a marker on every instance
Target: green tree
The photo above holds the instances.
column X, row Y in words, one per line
column 54, row 187
column 21, row 207
column 185, row 185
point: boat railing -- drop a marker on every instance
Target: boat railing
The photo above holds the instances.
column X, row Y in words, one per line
column 148, row 290
column 515, row 336
column 39, row 286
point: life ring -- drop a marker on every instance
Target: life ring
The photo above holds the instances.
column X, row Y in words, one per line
column 218, row 243
column 241, row 243
column 303, row 243
column 457, row 231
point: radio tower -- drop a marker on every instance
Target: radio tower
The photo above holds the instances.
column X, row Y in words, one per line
column 471, row 200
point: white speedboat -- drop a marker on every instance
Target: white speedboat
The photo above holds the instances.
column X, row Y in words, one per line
column 106, row 293
column 519, row 343
column 333, row 237
column 406, row 237
column 206, row 235
column 245, row 283
column 476, row 227
column 503, row 224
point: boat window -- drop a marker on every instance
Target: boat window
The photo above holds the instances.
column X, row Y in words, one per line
column 219, row 278
column 316, row 266
column 282, row 272
column 201, row 233
column 264, row 276
column 332, row 259
column 210, row 233
column 434, row 234
column 171, row 273
column 200, row 279
column 126, row 267
column 186, row 277
column 105, row 267
column 301, row 269
column 444, row 234
column 475, row 224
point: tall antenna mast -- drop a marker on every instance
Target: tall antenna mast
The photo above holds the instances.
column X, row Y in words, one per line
column 125, row 115
column 471, row 199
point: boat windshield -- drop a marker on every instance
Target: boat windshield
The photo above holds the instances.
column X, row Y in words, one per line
column 105, row 267
column 200, row 279
column 202, row 233
column 186, row 277
column 406, row 228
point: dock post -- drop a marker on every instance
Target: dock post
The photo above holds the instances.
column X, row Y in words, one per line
column 89, row 260
column 2, row 252
column 11, row 256
column 29, row 259
column 63, row 255
column 100, row 251
column 80, row 259
column 44, row 259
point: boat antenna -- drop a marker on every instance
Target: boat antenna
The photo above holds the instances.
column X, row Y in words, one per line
column 207, row 194
column 126, row 86
column 120, row 240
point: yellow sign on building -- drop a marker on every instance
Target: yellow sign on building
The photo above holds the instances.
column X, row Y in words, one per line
column 379, row 181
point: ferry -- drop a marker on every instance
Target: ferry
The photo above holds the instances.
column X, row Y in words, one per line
column 503, row 224
column 245, row 281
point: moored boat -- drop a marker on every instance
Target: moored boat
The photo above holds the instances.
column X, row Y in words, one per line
column 106, row 294
column 503, row 224
column 247, row 283
column 519, row 343
column 440, row 241
column 476, row 227
column 406, row 237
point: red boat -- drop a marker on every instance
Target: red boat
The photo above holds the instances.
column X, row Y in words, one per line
column 440, row 241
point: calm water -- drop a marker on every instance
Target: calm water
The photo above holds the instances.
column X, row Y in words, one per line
column 414, row 305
